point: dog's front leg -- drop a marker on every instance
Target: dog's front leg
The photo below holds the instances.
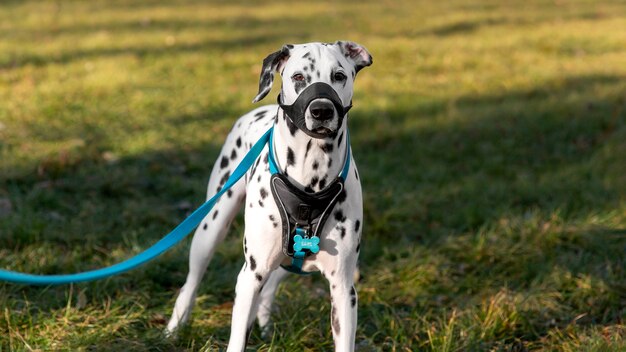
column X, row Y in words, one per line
column 249, row 284
column 266, row 299
column 343, row 315
column 260, row 262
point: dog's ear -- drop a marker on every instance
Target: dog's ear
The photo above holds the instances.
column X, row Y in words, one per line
column 272, row 63
column 356, row 53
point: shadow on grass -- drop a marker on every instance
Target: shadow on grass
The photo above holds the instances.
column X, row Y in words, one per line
column 541, row 151
column 491, row 198
column 205, row 45
column 494, row 155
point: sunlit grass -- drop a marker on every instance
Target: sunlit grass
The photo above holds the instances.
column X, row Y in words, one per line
column 490, row 138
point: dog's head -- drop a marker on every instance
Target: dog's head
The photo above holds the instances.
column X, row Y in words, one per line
column 308, row 72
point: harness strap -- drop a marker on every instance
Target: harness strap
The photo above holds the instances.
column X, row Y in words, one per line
column 176, row 235
column 305, row 240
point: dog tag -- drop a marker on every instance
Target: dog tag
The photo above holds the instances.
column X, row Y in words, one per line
column 300, row 243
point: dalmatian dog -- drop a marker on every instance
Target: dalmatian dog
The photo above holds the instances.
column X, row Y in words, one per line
column 310, row 154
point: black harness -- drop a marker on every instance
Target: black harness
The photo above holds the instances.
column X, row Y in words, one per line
column 300, row 210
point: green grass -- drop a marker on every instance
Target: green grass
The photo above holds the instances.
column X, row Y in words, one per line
column 490, row 135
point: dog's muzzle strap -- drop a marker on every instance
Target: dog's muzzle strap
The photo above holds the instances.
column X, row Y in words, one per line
column 318, row 90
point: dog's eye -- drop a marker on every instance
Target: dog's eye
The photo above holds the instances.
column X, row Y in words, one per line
column 298, row 77
column 339, row 76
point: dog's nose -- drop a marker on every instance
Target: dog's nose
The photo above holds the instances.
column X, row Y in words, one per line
column 322, row 110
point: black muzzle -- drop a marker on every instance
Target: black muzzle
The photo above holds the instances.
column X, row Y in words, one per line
column 295, row 112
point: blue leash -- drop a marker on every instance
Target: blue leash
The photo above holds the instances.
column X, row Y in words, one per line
column 181, row 231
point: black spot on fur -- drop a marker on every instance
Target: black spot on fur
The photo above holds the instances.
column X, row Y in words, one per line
column 342, row 231
column 259, row 115
column 233, row 154
column 272, row 217
column 205, row 226
column 357, row 225
column 275, row 224
column 224, row 178
column 224, row 162
column 318, row 74
column 358, row 247
column 229, row 193
column 308, row 147
column 291, row 158
column 339, row 216
column 323, row 183
column 259, row 278
column 252, row 263
column 327, row 148
column 306, row 55
column 314, row 181
column 339, row 139
column 315, row 165
column 238, row 142
column 258, row 178
column 214, row 215
column 261, row 203
column 332, row 273
column 305, row 68
column 263, row 193
column 265, row 160
column 353, row 298
column 330, row 163
column 356, row 174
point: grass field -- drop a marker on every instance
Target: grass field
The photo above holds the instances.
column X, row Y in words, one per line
column 490, row 135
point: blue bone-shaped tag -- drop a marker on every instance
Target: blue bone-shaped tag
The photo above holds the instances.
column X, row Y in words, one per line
column 301, row 243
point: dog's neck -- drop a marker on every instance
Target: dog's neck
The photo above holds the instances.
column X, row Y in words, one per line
column 310, row 162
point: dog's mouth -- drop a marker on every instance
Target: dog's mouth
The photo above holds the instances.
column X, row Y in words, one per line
column 323, row 131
